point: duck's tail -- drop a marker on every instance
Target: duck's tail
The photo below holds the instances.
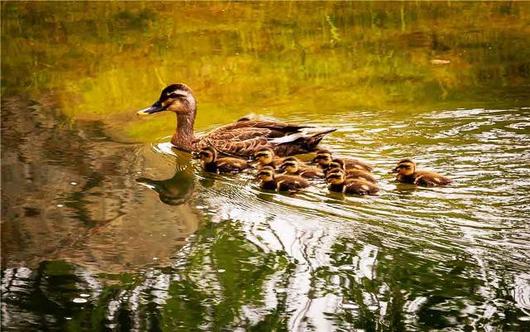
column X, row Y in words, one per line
column 299, row 142
column 314, row 139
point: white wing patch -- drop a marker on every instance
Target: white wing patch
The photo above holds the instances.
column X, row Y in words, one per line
column 287, row 139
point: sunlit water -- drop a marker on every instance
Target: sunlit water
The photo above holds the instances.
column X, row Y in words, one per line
column 101, row 232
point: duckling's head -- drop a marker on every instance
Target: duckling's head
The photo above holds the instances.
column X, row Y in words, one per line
column 290, row 165
column 176, row 98
column 264, row 156
column 405, row 167
column 323, row 158
column 335, row 177
column 207, row 155
column 335, row 164
column 266, row 174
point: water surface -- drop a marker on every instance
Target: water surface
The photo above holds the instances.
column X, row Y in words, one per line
column 105, row 227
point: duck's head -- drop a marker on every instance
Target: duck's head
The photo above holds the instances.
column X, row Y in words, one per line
column 335, row 177
column 405, row 167
column 207, row 155
column 290, row 165
column 264, row 156
column 266, row 173
column 176, row 98
column 323, row 158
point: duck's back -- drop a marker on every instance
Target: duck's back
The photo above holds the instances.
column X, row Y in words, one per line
column 227, row 164
column 290, row 182
column 430, row 179
column 360, row 187
column 358, row 173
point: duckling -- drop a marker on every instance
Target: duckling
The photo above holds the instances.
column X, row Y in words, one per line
column 211, row 163
column 407, row 173
column 293, row 166
column 270, row 181
column 324, row 158
column 339, row 183
column 350, row 173
column 266, row 157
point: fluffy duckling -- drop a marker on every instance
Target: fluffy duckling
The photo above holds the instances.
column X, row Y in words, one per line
column 211, row 163
column 267, row 157
column 351, row 173
column 407, row 173
column 324, row 158
column 293, row 166
column 270, row 181
column 338, row 182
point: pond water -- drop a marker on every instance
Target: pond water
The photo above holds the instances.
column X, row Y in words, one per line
column 105, row 227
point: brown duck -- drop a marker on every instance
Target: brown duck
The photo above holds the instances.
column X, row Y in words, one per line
column 241, row 138
column 337, row 182
column 293, row 166
column 270, row 181
column 407, row 173
column 211, row 163
column 350, row 173
column 324, row 157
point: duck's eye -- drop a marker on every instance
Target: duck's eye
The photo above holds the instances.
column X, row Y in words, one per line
column 176, row 95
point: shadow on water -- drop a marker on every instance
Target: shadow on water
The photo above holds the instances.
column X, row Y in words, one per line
column 101, row 234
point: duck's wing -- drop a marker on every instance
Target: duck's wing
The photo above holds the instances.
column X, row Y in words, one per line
column 243, row 138
column 270, row 129
column 236, row 147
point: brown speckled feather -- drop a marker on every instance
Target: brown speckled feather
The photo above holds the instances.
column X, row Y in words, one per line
column 245, row 137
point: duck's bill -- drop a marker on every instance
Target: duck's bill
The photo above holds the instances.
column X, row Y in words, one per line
column 155, row 108
column 394, row 170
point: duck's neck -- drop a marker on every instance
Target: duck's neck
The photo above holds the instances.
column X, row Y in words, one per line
column 183, row 137
column 337, row 187
column 407, row 178
column 269, row 185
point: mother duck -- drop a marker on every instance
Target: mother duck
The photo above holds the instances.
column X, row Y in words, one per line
column 241, row 138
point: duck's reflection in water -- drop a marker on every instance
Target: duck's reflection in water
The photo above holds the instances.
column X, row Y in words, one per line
column 177, row 189
column 80, row 203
